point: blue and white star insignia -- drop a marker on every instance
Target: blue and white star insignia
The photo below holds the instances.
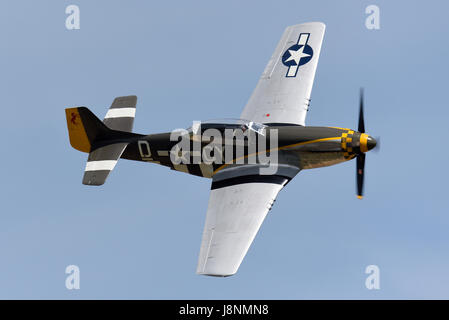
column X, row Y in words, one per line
column 297, row 55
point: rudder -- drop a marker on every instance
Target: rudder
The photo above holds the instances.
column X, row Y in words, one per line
column 84, row 128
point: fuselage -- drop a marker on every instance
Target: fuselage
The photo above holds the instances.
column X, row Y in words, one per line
column 303, row 147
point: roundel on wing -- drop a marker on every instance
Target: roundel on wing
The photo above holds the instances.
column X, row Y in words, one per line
column 297, row 55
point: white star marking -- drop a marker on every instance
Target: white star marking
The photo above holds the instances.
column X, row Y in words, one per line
column 178, row 153
column 297, row 55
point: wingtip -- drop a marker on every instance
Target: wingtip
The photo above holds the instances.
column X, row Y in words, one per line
column 215, row 275
column 316, row 23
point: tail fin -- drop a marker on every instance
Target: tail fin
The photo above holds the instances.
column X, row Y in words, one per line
column 84, row 128
column 102, row 140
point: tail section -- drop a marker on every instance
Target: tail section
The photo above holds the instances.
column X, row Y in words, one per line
column 100, row 163
column 84, row 128
column 104, row 141
column 121, row 114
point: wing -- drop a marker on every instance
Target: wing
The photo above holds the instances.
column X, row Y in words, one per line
column 282, row 94
column 238, row 205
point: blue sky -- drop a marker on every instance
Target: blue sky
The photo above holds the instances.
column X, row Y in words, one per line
column 138, row 236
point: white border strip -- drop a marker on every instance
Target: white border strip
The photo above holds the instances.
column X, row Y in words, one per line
column 100, row 165
column 120, row 112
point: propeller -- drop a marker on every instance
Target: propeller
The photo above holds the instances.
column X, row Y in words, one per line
column 371, row 143
column 361, row 127
column 360, row 174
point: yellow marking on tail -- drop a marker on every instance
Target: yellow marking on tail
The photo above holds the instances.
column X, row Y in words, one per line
column 77, row 133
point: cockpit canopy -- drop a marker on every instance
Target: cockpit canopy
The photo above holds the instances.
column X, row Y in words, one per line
column 229, row 123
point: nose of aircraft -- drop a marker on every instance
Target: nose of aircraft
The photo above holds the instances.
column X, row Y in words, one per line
column 371, row 142
column 367, row 142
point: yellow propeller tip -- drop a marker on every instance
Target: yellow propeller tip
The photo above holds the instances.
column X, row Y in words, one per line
column 359, row 197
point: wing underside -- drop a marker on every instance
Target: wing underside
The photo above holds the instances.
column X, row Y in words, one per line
column 237, row 207
column 283, row 92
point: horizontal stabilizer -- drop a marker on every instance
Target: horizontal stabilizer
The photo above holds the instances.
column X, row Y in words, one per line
column 100, row 163
column 120, row 115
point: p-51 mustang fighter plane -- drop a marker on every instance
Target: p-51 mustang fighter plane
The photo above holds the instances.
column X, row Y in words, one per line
column 242, row 193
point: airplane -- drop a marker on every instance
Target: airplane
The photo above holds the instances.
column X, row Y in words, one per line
column 243, row 189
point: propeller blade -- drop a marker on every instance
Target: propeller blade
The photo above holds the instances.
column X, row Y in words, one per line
column 361, row 127
column 360, row 174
